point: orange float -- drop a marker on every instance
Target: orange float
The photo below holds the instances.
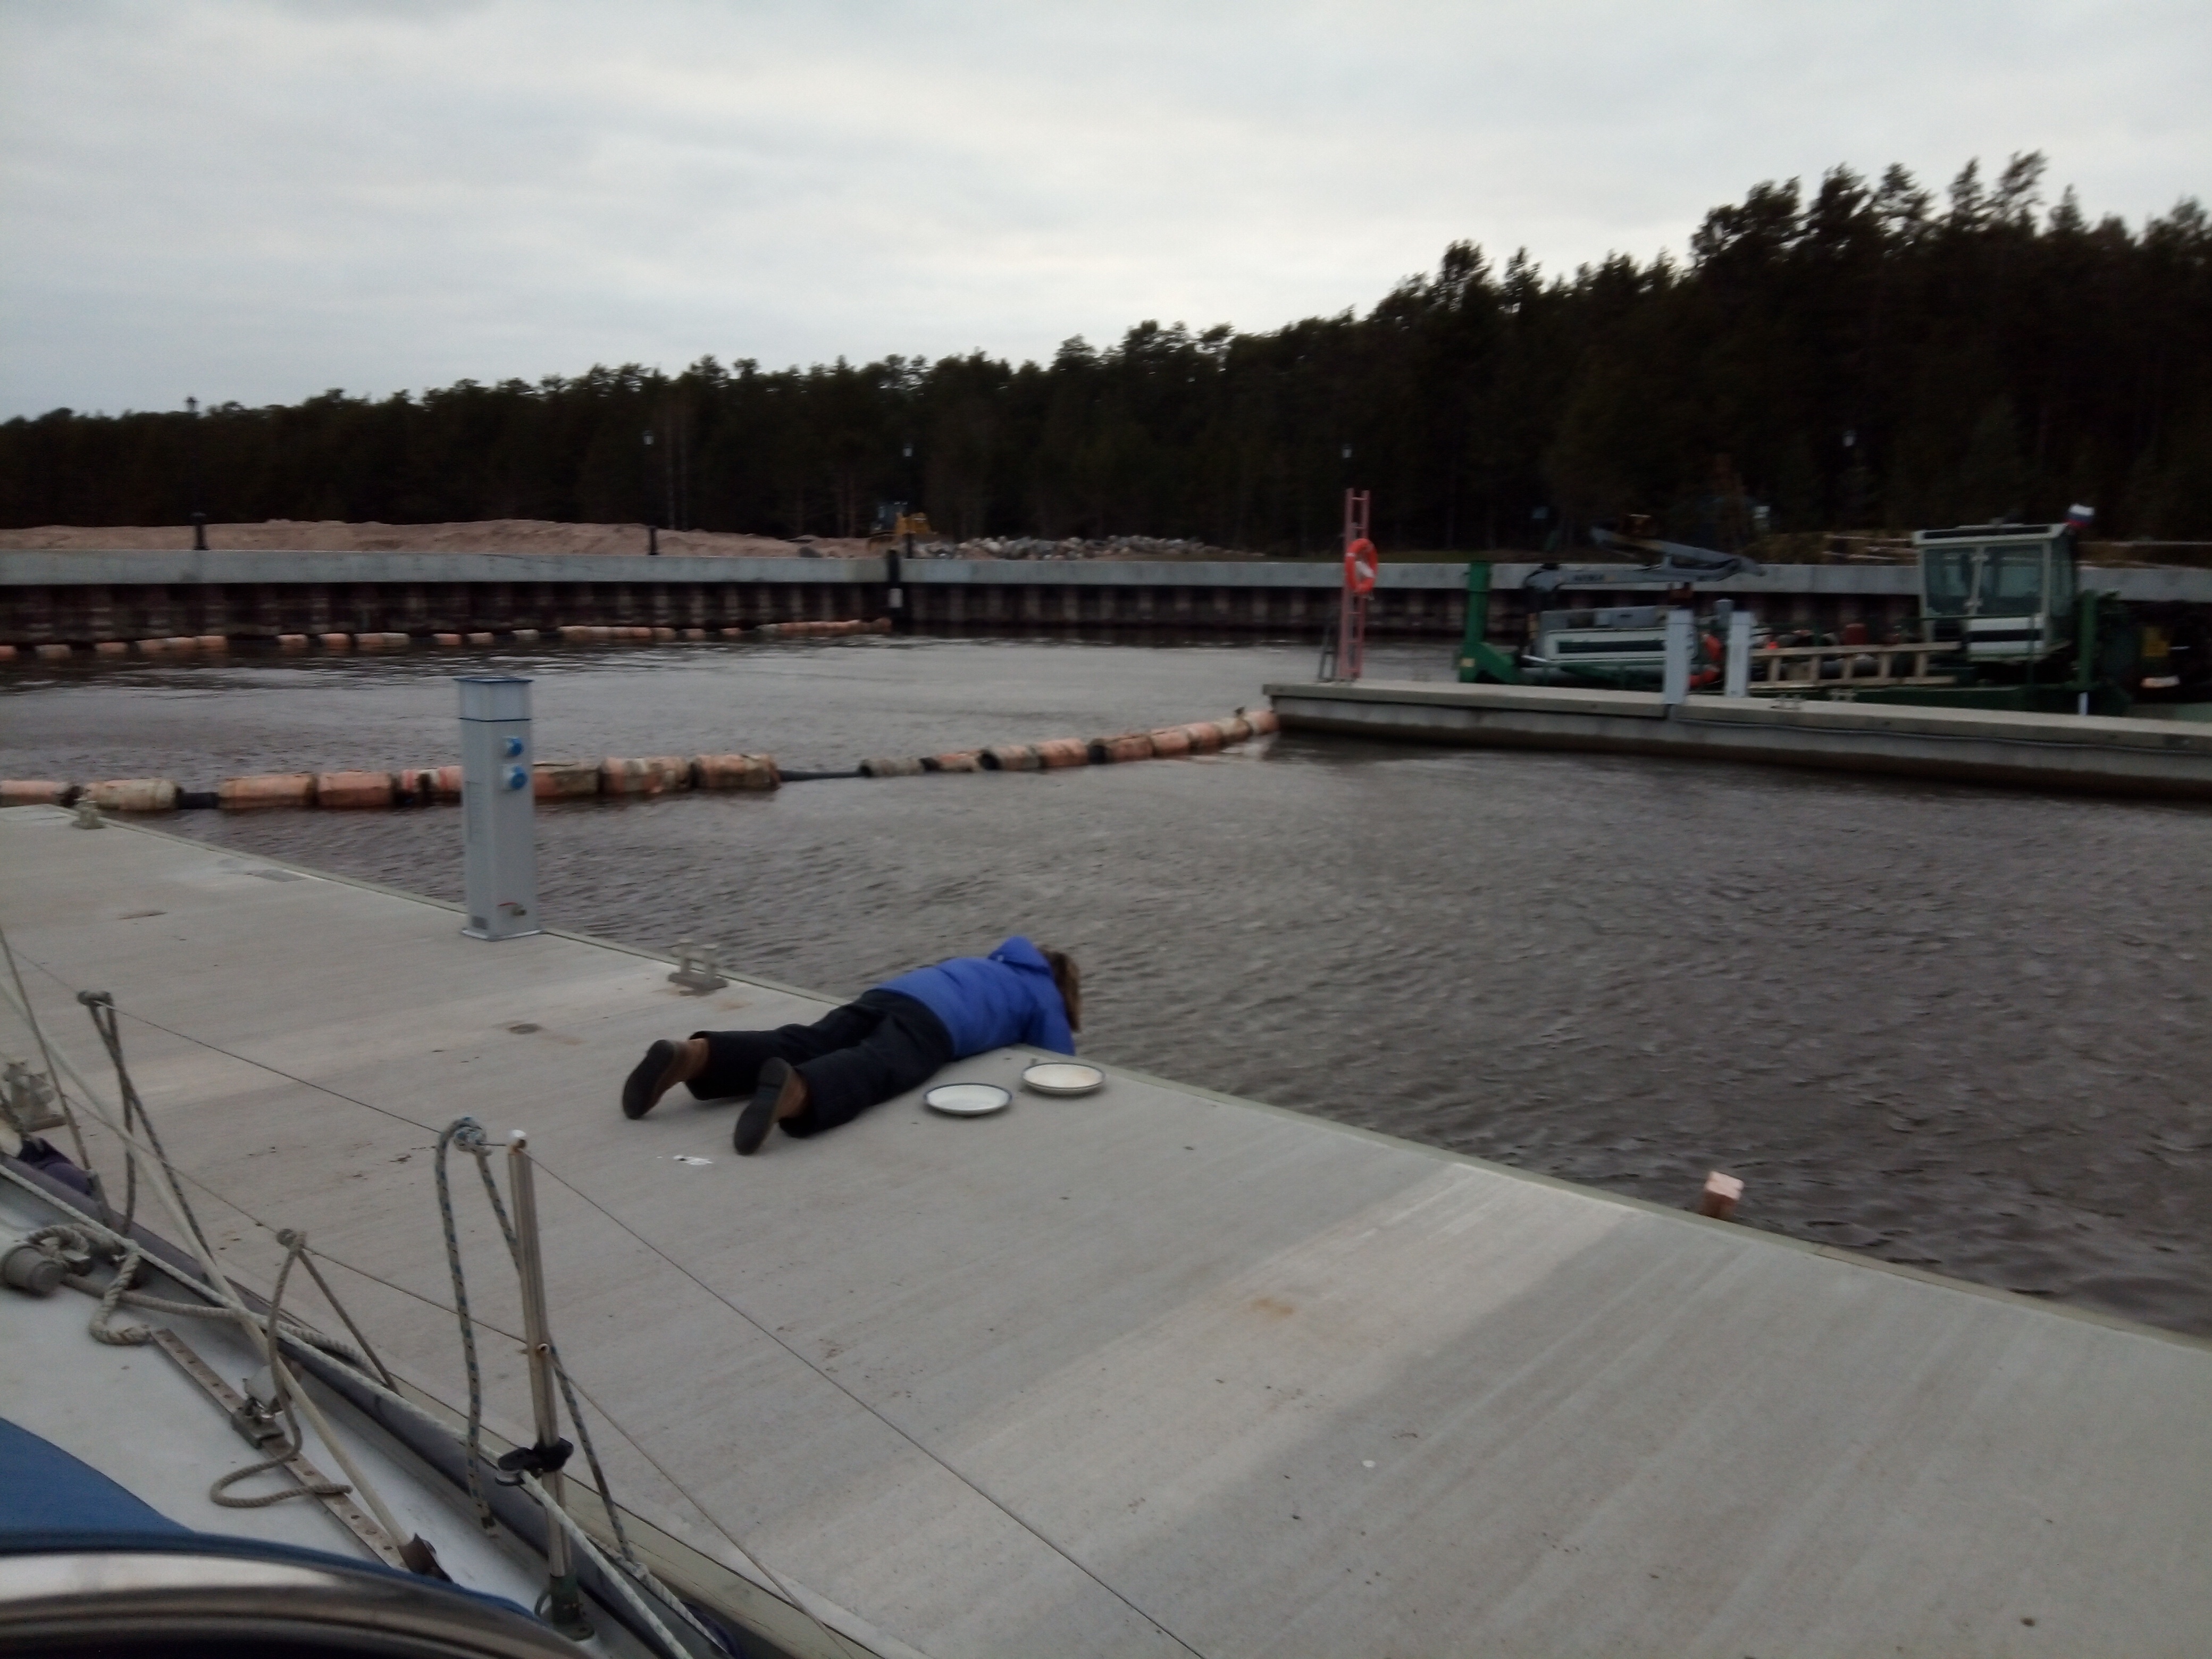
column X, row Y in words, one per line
column 650, row 774
column 268, row 789
column 133, row 795
column 35, row 792
column 353, row 792
column 564, row 780
column 736, row 771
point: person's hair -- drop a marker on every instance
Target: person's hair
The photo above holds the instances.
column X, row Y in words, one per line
column 1069, row 978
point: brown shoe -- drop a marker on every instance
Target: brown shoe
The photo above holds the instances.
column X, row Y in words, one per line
column 652, row 1078
column 778, row 1096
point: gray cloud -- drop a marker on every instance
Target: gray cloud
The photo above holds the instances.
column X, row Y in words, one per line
column 258, row 201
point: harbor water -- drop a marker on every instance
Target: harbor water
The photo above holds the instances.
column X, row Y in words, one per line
column 1957, row 1028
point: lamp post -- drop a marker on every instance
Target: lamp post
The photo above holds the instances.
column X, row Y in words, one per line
column 199, row 514
column 652, row 525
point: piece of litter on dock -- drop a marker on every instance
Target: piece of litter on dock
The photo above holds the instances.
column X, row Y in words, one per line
column 1719, row 1199
column 686, row 1157
column 1366, row 1462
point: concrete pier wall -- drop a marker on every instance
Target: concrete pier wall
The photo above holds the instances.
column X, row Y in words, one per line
column 2089, row 753
column 80, row 598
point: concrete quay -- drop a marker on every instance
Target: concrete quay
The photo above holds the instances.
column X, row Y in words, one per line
column 2044, row 751
column 84, row 598
column 1155, row 1371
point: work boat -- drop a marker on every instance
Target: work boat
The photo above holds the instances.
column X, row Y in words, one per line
column 189, row 1468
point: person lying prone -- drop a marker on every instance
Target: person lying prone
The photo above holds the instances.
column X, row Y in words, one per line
column 890, row 1039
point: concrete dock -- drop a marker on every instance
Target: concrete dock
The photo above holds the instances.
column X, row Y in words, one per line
column 1155, row 1371
column 2048, row 751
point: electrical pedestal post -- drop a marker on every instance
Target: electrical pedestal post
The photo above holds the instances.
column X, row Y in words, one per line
column 498, row 821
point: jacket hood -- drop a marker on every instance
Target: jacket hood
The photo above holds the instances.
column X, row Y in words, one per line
column 1018, row 952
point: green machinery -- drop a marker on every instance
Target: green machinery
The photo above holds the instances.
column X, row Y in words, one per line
column 2021, row 631
column 2004, row 624
column 1621, row 647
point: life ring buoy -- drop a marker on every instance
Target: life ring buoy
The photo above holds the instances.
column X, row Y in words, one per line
column 1359, row 563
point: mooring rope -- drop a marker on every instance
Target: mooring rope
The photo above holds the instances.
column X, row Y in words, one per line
column 289, row 1448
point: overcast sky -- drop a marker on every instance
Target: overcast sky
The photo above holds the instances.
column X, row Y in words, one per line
column 258, row 200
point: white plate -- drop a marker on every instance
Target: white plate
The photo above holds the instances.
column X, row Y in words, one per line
column 968, row 1099
column 1063, row 1077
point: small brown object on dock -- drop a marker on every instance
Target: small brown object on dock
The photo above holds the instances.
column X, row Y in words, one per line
column 1719, row 1199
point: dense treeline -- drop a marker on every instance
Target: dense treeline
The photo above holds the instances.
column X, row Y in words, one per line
column 1862, row 359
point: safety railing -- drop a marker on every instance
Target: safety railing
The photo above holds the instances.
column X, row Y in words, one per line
column 1782, row 670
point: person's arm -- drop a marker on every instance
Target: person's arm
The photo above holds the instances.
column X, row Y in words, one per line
column 1047, row 1026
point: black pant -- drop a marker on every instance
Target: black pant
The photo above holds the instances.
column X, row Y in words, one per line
column 852, row 1058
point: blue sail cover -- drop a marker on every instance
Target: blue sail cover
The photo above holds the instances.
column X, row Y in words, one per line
column 46, row 1493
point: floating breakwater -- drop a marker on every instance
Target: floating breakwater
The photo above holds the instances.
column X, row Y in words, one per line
column 616, row 777
column 1163, row 742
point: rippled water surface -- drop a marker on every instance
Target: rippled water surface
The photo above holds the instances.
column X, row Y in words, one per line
column 1957, row 1028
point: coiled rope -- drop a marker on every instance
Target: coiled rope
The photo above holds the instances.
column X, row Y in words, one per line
column 289, row 1447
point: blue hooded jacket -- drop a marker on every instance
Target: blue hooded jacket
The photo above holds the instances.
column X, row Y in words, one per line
column 987, row 1003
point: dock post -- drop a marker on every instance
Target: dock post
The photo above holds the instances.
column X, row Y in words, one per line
column 1674, row 688
column 564, row 1607
column 499, row 845
column 1739, row 654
